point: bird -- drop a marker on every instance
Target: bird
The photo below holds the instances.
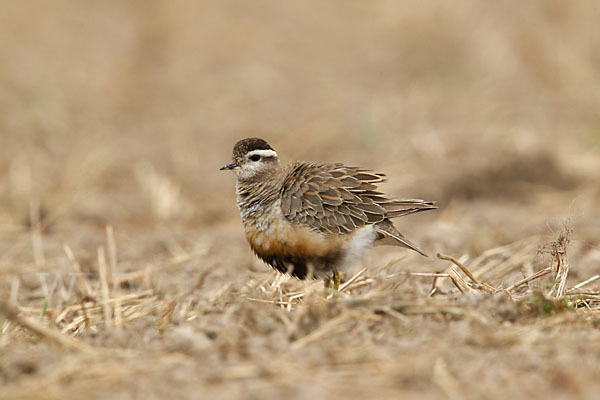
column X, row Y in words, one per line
column 313, row 220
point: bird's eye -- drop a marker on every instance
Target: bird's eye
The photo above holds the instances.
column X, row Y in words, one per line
column 255, row 157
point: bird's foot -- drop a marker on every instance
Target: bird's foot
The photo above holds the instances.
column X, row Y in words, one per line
column 337, row 277
column 333, row 282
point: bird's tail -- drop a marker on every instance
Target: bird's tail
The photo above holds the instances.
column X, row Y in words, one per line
column 399, row 208
column 387, row 234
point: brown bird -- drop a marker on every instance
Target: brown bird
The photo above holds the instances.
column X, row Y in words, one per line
column 313, row 219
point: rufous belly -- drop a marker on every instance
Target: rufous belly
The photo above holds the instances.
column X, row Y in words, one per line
column 296, row 249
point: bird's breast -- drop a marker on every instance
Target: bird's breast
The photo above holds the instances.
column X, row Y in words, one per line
column 275, row 235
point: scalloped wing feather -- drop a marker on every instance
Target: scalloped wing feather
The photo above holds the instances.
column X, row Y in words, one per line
column 333, row 198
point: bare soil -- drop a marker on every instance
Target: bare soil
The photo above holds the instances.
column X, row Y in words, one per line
column 124, row 272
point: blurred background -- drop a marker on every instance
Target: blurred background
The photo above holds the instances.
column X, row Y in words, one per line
column 122, row 112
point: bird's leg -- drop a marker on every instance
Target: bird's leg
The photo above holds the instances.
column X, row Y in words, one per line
column 333, row 281
column 337, row 277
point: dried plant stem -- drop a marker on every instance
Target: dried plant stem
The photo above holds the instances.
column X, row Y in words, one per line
column 586, row 282
column 112, row 257
column 425, row 274
column 535, row 276
column 36, row 233
column 112, row 250
column 346, row 284
column 459, row 265
column 457, row 280
column 12, row 314
column 14, row 290
column 560, row 265
column 104, row 286
column 77, row 268
column 464, row 269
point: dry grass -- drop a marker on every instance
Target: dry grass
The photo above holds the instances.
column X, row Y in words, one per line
column 123, row 267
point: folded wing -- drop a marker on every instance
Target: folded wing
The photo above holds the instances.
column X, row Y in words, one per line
column 333, row 198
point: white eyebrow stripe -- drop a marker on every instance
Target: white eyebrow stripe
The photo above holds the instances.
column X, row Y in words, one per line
column 263, row 153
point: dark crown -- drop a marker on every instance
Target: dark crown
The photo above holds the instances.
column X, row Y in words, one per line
column 245, row 146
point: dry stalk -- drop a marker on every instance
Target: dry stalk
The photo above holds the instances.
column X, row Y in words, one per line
column 77, row 268
column 458, row 281
column 12, row 314
column 355, row 277
column 424, row 274
column 104, row 286
column 112, row 257
column 459, row 265
column 36, row 233
column 560, row 262
column 126, row 299
column 435, row 289
column 498, row 263
column 586, row 282
column 535, row 276
column 112, row 249
column 14, row 290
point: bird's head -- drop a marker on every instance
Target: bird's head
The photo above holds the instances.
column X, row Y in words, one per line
column 252, row 159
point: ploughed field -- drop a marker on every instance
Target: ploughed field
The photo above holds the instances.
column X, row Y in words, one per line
column 124, row 271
